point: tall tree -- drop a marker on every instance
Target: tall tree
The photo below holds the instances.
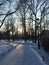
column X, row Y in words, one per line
column 12, row 22
column 7, row 29
column 39, row 11
column 23, row 10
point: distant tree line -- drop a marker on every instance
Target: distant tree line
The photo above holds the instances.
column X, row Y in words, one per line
column 7, row 36
column 25, row 10
column 36, row 12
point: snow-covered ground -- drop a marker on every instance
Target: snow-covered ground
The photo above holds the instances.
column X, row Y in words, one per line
column 24, row 53
column 5, row 48
column 21, row 55
column 41, row 52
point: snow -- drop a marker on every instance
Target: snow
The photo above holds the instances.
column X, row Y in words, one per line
column 44, row 55
column 4, row 41
column 19, row 41
column 5, row 48
column 24, row 53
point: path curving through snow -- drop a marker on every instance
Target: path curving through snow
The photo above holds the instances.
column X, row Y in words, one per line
column 22, row 55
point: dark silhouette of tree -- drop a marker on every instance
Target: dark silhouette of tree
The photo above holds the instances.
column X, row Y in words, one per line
column 35, row 6
column 7, row 25
column 12, row 22
column 7, row 12
column 23, row 10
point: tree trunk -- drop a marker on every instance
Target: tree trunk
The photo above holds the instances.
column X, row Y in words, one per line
column 35, row 28
column 25, row 32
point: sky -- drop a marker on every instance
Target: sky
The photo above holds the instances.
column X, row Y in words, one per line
column 12, row 7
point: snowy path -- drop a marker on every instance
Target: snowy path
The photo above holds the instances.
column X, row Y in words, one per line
column 22, row 55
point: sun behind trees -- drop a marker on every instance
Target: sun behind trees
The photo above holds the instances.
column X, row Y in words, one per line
column 33, row 15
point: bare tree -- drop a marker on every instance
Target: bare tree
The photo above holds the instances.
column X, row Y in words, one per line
column 6, row 11
column 22, row 11
column 7, row 29
column 12, row 27
column 33, row 10
column 38, row 7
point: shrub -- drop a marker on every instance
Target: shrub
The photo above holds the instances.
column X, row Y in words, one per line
column 45, row 44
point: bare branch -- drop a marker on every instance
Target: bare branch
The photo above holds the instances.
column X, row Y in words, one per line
column 1, row 4
column 6, row 15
